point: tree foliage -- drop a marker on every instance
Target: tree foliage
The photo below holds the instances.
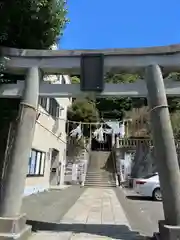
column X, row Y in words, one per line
column 121, row 77
column 174, row 104
column 83, row 110
column 175, row 121
column 75, row 79
column 139, row 124
column 27, row 24
column 116, row 108
column 31, row 24
column 113, row 107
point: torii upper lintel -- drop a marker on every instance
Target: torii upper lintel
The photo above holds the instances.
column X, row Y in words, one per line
column 129, row 60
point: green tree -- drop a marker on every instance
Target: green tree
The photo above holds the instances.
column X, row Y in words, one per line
column 75, row 79
column 26, row 24
column 121, row 77
column 31, row 24
column 139, row 126
column 84, row 111
column 113, row 107
column 175, row 121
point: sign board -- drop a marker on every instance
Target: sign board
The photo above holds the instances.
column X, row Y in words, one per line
column 92, row 72
column 74, row 172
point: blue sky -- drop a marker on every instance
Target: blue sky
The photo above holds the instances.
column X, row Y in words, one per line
column 121, row 23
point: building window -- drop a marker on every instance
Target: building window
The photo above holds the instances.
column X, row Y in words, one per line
column 36, row 165
column 43, row 102
column 53, row 108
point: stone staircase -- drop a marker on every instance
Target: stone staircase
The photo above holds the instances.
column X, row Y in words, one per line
column 100, row 171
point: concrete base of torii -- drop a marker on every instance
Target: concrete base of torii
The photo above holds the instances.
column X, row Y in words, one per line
column 14, row 228
column 167, row 232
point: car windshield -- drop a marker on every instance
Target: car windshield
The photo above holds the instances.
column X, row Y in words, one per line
column 150, row 175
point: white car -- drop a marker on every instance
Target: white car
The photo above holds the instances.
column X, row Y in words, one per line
column 148, row 186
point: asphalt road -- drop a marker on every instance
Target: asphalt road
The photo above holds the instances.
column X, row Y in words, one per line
column 142, row 213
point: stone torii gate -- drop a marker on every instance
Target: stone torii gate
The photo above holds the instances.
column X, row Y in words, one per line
column 92, row 65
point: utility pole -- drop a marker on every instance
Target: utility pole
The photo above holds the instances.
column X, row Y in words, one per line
column 15, row 176
column 165, row 150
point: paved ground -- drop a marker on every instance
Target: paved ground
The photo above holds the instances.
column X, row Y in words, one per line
column 142, row 213
column 97, row 214
column 50, row 206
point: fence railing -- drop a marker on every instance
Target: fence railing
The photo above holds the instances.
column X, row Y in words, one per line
column 133, row 143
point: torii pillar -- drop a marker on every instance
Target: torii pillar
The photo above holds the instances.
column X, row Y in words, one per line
column 165, row 151
column 12, row 222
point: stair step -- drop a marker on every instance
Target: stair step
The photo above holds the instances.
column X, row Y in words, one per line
column 103, row 173
column 98, row 174
column 111, row 183
column 92, row 176
column 99, row 180
column 99, row 185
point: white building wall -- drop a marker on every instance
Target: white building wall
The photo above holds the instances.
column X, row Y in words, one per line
column 49, row 133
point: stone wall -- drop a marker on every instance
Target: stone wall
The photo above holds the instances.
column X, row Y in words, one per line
column 145, row 161
column 139, row 165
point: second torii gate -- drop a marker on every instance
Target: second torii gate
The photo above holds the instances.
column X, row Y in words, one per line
column 92, row 65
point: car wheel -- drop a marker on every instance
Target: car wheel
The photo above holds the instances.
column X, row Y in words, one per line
column 157, row 195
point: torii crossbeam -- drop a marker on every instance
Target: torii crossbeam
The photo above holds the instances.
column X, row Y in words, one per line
column 69, row 62
column 133, row 90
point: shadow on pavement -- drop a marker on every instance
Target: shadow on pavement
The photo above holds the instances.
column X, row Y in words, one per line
column 106, row 230
column 43, row 206
column 141, row 198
